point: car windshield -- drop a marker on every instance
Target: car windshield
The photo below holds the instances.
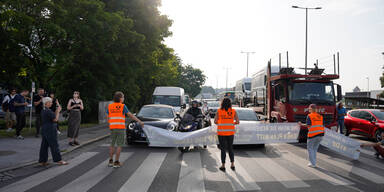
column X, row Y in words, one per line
column 379, row 114
column 156, row 112
column 167, row 100
column 307, row 93
column 213, row 104
column 246, row 115
column 247, row 86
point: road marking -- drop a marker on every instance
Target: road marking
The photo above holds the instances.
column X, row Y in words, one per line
column 368, row 152
column 36, row 179
column 239, row 179
column 93, row 176
column 281, row 174
column 142, row 178
column 345, row 165
column 321, row 174
column 105, row 145
column 191, row 178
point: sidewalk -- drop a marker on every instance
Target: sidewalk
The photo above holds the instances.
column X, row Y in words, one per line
column 16, row 153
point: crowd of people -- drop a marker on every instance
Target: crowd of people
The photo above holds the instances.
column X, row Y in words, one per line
column 46, row 114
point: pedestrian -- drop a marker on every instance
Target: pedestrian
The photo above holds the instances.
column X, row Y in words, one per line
column 55, row 104
column 74, row 106
column 226, row 118
column 49, row 134
column 116, row 113
column 377, row 146
column 341, row 112
column 20, row 104
column 9, row 108
column 315, row 125
column 38, row 103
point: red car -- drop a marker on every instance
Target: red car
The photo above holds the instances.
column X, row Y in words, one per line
column 366, row 122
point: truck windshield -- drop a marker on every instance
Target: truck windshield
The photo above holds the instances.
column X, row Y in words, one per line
column 307, row 93
column 247, row 86
column 167, row 100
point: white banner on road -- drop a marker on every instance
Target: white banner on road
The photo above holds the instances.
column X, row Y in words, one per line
column 341, row 144
column 246, row 133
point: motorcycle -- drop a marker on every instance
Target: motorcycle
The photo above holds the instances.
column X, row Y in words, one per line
column 188, row 124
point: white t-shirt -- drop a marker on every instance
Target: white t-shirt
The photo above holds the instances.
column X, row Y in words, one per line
column 8, row 99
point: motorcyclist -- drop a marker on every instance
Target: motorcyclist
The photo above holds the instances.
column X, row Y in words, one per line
column 195, row 111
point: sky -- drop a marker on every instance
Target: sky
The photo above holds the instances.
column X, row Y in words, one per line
column 210, row 35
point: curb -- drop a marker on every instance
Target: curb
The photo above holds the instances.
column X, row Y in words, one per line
column 62, row 153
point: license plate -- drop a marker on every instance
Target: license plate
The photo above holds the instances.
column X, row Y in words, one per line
column 143, row 135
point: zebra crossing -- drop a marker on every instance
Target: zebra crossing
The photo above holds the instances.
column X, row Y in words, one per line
column 285, row 168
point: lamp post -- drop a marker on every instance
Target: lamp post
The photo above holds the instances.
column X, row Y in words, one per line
column 306, row 31
column 247, row 52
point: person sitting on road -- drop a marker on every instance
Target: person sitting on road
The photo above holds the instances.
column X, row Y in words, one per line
column 377, row 146
column 195, row 111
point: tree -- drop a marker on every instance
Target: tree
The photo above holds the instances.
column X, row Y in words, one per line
column 208, row 89
column 191, row 79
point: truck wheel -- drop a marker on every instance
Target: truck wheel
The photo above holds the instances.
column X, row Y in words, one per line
column 378, row 135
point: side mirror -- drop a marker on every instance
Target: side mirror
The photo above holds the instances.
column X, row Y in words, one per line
column 184, row 106
column 372, row 119
column 339, row 93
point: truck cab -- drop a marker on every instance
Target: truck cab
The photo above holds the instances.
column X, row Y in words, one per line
column 173, row 96
column 243, row 91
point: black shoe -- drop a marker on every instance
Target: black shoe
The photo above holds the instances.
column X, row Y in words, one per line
column 76, row 143
column 377, row 155
column 222, row 169
column 71, row 144
column 37, row 136
column 233, row 168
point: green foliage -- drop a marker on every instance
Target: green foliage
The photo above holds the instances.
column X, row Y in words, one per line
column 208, row 89
column 96, row 47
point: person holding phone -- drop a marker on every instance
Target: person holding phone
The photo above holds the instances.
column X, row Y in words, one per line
column 74, row 106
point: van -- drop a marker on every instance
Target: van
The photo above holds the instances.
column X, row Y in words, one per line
column 173, row 96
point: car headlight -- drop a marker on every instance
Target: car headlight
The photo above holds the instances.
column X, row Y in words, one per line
column 171, row 127
column 131, row 126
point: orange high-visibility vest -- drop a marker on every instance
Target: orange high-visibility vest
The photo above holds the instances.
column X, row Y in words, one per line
column 226, row 122
column 317, row 126
column 116, row 118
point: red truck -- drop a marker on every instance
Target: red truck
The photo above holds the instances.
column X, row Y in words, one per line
column 282, row 95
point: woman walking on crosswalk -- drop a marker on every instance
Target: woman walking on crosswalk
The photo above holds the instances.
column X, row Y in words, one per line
column 226, row 118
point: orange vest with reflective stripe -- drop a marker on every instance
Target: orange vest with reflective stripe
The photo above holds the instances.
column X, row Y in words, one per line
column 317, row 126
column 226, row 122
column 116, row 118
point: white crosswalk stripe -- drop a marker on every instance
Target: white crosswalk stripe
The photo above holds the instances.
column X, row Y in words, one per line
column 240, row 179
column 142, row 178
column 345, row 165
column 34, row 180
column 191, row 178
column 281, row 174
column 93, row 176
column 302, row 163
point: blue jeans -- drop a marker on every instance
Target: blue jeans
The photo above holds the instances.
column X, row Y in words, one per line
column 340, row 124
column 312, row 146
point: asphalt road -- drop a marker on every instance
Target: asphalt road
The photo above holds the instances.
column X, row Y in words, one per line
column 280, row 167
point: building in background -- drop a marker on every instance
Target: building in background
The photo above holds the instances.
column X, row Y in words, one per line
column 364, row 99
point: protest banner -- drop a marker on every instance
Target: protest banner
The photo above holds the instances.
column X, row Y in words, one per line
column 246, row 133
column 341, row 144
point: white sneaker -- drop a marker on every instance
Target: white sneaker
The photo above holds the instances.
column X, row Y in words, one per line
column 20, row 137
column 310, row 165
column 9, row 129
column 58, row 132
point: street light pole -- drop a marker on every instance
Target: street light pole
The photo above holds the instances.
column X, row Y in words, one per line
column 306, row 32
column 368, row 84
column 247, row 52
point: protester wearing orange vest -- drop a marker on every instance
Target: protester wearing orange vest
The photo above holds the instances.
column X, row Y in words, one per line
column 116, row 112
column 315, row 126
column 226, row 119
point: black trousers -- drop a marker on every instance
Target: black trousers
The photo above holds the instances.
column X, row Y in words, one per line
column 226, row 144
column 49, row 140
column 21, row 121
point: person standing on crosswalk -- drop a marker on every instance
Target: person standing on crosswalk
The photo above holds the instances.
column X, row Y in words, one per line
column 315, row 126
column 226, row 118
column 116, row 113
